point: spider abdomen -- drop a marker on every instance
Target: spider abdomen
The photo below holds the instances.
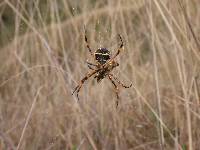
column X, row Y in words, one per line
column 102, row 55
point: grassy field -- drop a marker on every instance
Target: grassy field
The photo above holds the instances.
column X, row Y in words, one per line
column 43, row 57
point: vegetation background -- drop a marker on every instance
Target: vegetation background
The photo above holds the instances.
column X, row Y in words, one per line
column 43, row 55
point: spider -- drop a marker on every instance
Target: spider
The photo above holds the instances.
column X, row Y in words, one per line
column 104, row 64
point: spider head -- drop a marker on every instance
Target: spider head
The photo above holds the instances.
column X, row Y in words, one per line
column 102, row 55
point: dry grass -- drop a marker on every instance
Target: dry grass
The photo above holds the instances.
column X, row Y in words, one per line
column 43, row 56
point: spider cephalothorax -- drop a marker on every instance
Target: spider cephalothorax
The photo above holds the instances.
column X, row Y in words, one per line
column 105, row 63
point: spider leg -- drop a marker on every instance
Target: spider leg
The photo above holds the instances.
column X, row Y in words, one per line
column 116, row 90
column 78, row 87
column 87, row 44
column 122, row 84
column 118, row 51
column 90, row 65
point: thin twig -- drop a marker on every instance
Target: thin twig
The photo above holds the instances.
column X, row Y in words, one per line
column 28, row 118
column 90, row 140
column 189, row 24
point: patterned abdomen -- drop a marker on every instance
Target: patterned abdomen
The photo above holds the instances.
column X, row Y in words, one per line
column 102, row 55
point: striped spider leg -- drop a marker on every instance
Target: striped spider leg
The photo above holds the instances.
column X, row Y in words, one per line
column 113, row 79
column 119, row 82
column 78, row 87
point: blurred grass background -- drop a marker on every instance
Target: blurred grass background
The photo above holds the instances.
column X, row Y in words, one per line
column 43, row 56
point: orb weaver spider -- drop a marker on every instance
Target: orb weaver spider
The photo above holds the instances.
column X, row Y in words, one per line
column 105, row 63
